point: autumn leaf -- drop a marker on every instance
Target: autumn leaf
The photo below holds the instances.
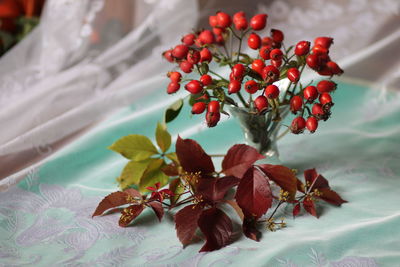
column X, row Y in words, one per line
column 250, row 230
column 309, row 206
column 282, row 176
column 129, row 214
column 163, row 137
column 135, row 147
column 239, row 159
column 170, row 169
column 157, row 208
column 331, row 197
column 296, row 210
column 216, row 227
column 185, row 223
column 192, row 157
column 113, row 200
column 254, row 193
column 133, row 172
column 214, row 189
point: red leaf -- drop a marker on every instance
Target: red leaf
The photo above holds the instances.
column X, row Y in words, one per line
column 217, row 228
column 129, row 214
column 239, row 159
column 309, row 206
column 315, row 180
column 282, row 176
column 185, row 223
column 296, row 209
column 192, row 157
column 214, row 189
column 170, row 169
column 111, row 201
column 250, row 229
column 157, row 208
column 133, row 192
column 331, row 197
column 254, row 194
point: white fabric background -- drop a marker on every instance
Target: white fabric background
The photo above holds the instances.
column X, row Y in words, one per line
column 55, row 84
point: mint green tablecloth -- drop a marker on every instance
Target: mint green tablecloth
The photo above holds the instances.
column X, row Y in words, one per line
column 45, row 220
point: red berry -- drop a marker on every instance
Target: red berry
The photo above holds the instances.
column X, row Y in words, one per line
column 276, row 54
column 205, row 55
column 186, row 66
column 258, row 22
column 224, row 20
column 313, row 61
column 267, row 41
column 174, row 76
column 324, row 42
column 261, row 103
column 206, row 37
column 298, row 125
column 334, row 68
column 198, row 108
column 325, row 98
column 238, row 71
column 319, row 50
column 194, row 87
column 219, row 39
column 173, row 87
column 276, row 63
column 213, row 106
column 258, row 66
column 234, row 86
column 193, row 57
column 318, row 111
column 312, row 124
column 270, row 73
column 188, row 39
column 180, row 51
column 218, row 31
column 254, row 41
column 326, row 86
column 251, row 86
column 296, row 103
column 168, row 55
column 213, row 21
column 206, row 79
column 272, row 91
column 277, row 35
column 302, row 48
column 310, row 93
column 212, row 118
column 240, row 21
column 293, row 75
column 265, row 52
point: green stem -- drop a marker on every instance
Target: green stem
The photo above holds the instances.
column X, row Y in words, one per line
column 242, row 99
column 216, row 74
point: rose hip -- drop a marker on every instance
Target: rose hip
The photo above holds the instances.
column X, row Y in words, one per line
column 265, row 52
column 325, row 42
column 310, row 93
column 180, row 51
column 213, row 106
column 186, row 66
column 212, row 118
column 296, row 103
column 261, row 103
column 270, row 73
column 272, row 91
column 188, row 39
column 173, row 87
column 258, row 22
column 194, row 87
column 276, row 54
column 206, row 79
column 325, row 98
column 298, row 125
column 168, row 55
column 293, row 75
column 326, row 86
column 277, row 35
column 312, row 124
column 198, row 108
column 254, row 41
column 193, row 57
column 251, row 86
column 238, row 71
column 234, row 86
column 224, row 20
column 258, row 66
column 205, row 55
column 174, row 76
column 302, row 48
column 206, row 37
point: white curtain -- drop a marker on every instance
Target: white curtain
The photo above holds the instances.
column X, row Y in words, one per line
column 88, row 58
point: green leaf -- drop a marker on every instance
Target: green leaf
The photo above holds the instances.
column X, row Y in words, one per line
column 173, row 111
column 163, row 137
column 204, row 68
column 172, row 156
column 135, row 147
column 177, row 188
column 132, row 173
column 153, row 175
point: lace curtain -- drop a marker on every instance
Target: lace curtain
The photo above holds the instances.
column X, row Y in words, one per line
column 88, row 58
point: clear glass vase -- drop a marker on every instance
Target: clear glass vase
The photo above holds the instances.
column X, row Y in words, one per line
column 260, row 131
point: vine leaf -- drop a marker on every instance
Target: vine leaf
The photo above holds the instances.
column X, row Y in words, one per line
column 254, row 194
column 158, row 209
column 214, row 189
column 309, row 206
column 129, row 214
column 239, row 159
column 282, row 176
column 186, row 223
column 250, row 230
column 153, row 175
column 192, row 157
column 163, row 137
column 173, row 111
column 133, row 172
column 135, row 147
column 113, row 200
column 177, row 188
column 216, row 227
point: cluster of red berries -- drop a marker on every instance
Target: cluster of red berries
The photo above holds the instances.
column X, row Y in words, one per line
column 258, row 74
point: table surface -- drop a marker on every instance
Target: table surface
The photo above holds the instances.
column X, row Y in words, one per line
column 46, row 219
